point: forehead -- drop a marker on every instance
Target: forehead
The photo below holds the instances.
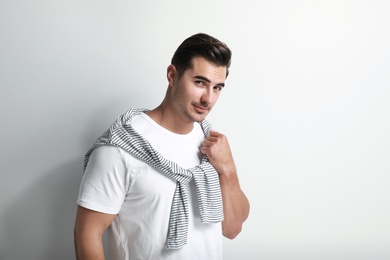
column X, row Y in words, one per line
column 203, row 67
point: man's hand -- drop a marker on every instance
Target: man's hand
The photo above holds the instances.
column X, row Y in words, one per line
column 235, row 203
column 217, row 149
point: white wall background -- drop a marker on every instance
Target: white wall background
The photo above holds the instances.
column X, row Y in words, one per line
column 309, row 83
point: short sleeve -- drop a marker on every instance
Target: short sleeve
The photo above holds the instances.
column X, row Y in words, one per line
column 104, row 184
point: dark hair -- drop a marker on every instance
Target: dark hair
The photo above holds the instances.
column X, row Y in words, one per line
column 201, row 45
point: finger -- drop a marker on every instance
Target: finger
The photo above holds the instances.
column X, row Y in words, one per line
column 205, row 150
column 214, row 133
column 210, row 141
column 207, row 143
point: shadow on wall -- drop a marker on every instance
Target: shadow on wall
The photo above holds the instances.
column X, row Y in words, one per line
column 39, row 222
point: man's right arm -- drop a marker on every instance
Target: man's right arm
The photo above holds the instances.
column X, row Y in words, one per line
column 88, row 232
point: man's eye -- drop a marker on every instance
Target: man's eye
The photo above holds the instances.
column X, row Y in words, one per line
column 219, row 88
column 199, row 82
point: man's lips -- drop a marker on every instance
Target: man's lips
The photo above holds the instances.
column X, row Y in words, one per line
column 201, row 109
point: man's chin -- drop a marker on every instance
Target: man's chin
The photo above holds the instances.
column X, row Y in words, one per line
column 198, row 117
column 201, row 117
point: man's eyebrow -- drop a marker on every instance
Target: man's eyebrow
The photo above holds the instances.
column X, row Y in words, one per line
column 209, row 81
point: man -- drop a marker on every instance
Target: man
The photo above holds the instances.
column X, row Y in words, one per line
column 157, row 179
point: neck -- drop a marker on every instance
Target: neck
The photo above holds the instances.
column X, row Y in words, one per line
column 170, row 120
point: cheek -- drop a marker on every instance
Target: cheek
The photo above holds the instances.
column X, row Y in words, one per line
column 191, row 93
column 183, row 95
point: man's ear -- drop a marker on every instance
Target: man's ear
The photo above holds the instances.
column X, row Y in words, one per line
column 171, row 75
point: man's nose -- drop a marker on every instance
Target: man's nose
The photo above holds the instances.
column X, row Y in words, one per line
column 207, row 96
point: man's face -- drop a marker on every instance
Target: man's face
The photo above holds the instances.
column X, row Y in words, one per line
column 195, row 93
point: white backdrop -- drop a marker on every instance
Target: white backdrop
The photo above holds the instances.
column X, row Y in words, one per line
column 309, row 85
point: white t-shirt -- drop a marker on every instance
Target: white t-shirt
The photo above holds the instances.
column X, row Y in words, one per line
column 115, row 182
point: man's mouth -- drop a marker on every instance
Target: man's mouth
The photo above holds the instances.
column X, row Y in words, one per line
column 201, row 109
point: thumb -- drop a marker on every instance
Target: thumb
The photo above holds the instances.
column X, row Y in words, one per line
column 213, row 132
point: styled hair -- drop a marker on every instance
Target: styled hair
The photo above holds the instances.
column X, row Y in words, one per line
column 201, row 45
